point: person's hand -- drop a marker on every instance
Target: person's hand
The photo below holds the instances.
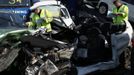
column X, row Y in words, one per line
column 41, row 30
column 114, row 14
column 27, row 23
column 110, row 14
column 119, row 14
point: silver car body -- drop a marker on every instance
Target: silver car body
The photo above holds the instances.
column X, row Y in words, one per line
column 119, row 43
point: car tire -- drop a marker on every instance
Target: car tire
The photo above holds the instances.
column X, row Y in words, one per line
column 103, row 9
column 125, row 59
column 128, row 58
column 132, row 60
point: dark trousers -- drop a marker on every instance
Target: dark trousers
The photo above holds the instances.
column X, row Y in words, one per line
column 117, row 28
column 111, row 28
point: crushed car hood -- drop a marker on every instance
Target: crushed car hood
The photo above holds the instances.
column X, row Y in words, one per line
column 5, row 32
column 11, row 52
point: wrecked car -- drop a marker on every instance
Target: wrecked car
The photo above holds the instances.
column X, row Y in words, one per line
column 11, row 29
column 34, row 53
column 100, row 49
column 37, row 54
column 44, row 55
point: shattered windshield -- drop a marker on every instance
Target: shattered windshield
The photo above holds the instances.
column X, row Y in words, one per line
column 9, row 20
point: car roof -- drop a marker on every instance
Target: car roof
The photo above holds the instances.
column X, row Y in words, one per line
column 51, row 2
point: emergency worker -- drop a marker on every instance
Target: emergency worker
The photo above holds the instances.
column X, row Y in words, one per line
column 40, row 18
column 120, row 15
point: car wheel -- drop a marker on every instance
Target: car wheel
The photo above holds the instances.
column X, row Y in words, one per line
column 103, row 9
column 125, row 59
column 132, row 60
column 128, row 58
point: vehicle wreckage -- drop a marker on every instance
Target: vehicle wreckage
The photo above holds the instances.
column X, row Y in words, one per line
column 102, row 49
column 34, row 53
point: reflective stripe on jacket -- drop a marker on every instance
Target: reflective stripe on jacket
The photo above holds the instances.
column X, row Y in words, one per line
column 46, row 15
column 118, row 20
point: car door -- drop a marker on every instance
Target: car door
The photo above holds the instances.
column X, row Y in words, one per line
column 130, row 4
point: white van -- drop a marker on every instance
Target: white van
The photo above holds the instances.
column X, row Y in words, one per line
column 105, row 6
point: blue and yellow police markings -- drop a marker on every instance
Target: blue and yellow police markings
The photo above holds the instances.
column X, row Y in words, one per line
column 15, row 1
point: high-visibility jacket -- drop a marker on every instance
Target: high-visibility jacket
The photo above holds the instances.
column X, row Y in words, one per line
column 119, row 20
column 46, row 15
